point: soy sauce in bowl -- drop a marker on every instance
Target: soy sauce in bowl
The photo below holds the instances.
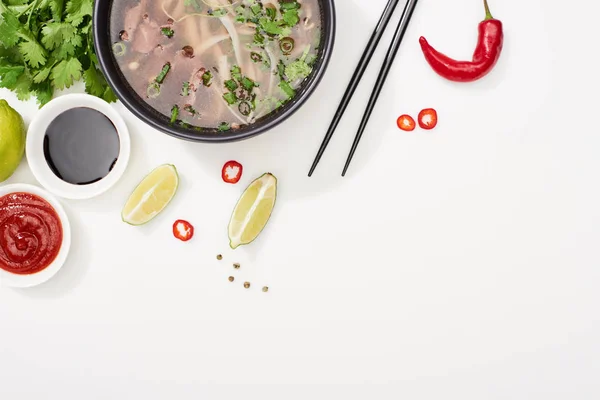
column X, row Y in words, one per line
column 81, row 146
column 78, row 146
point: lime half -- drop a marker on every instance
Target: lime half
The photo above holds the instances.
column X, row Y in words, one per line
column 253, row 210
column 151, row 196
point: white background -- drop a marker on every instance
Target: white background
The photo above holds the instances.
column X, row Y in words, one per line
column 460, row 263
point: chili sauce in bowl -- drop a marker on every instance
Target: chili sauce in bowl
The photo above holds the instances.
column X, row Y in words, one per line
column 35, row 235
column 78, row 146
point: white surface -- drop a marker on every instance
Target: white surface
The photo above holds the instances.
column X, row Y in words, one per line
column 460, row 263
column 35, row 146
column 8, row 279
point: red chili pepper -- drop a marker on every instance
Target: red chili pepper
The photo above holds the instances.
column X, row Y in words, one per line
column 406, row 123
column 183, row 230
column 485, row 57
column 232, row 172
column 428, row 118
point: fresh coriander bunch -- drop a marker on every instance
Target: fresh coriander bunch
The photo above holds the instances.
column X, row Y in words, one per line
column 47, row 45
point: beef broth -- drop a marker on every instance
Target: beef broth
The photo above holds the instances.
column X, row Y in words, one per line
column 216, row 64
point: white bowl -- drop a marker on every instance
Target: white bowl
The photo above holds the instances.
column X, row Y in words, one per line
column 35, row 147
column 23, row 281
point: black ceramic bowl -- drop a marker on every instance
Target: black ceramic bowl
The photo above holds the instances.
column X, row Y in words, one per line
column 103, row 45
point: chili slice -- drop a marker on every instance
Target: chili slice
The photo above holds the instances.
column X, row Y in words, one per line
column 232, row 172
column 428, row 118
column 406, row 123
column 183, row 230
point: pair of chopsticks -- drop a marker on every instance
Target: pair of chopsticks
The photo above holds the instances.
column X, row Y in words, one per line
column 360, row 70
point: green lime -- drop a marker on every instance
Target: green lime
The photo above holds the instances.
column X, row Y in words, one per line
column 151, row 196
column 253, row 211
column 12, row 140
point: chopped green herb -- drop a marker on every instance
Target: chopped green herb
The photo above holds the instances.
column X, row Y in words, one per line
column 236, row 73
column 163, row 73
column 259, row 39
column 168, row 32
column 231, row 85
column 207, row 78
column 291, row 17
column 190, row 109
column 217, row 13
column 287, row 89
column 248, row 83
column 223, row 126
column 230, row 98
column 174, row 113
column 271, row 13
column 281, row 69
column 256, row 8
column 185, row 90
column 255, row 57
column 270, row 27
column 297, row 70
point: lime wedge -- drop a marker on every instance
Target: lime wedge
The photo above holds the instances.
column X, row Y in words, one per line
column 151, row 196
column 253, row 210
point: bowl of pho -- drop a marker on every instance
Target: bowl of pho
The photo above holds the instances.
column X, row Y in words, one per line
column 213, row 70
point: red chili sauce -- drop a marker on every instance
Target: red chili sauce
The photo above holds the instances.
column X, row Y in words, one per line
column 30, row 233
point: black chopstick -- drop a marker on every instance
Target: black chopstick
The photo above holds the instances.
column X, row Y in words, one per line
column 358, row 73
column 383, row 73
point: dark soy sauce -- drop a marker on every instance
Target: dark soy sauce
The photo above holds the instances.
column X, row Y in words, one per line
column 81, row 146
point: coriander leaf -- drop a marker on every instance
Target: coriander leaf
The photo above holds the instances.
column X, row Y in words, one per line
column 64, row 51
column 56, row 33
column 109, row 95
column 10, row 74
column 11, row 55
column 33, row 53
column 42, row 74
column 65, row 72
column 297, row 70
column 57, row 7
column 43, row 92
column 9, row 27
column 270, row 27
column 17, row 2
column 94, row 81
column 23, row 87
column 291, row 17
column 287, row 89
column 77, row 10
column 86, row 28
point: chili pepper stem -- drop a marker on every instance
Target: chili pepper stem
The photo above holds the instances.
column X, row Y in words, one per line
column 488, row 14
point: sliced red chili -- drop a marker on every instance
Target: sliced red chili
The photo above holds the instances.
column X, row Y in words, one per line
column 183, row 230
column 428, row 118
column 232, row 172
column 406, row 123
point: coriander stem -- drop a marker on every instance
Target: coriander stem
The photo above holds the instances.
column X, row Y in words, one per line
column 34, row 5
column 25, row 10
